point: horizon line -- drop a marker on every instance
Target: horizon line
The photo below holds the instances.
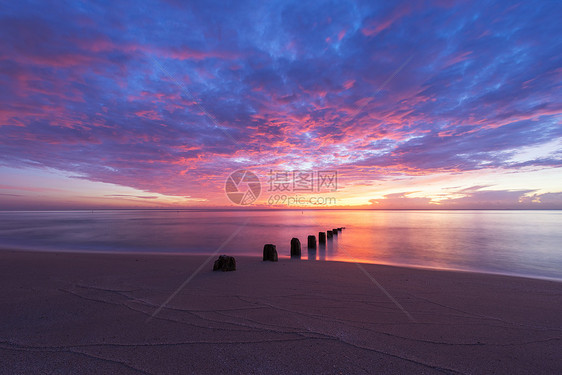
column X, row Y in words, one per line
column 281, row 209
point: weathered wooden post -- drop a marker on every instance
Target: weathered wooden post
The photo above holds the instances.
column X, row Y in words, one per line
column 321, row 237
column 311, row 242
column 335, row 231
column 270, row 252
column 225, row 263
column 329, row 234
column 295, row 248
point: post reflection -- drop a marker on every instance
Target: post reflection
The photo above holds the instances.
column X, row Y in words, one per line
column 322, row 251
column 312, row 254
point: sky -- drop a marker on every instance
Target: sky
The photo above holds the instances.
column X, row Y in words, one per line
column 406, row 105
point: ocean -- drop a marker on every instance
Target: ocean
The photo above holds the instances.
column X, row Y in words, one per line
column 522, row 243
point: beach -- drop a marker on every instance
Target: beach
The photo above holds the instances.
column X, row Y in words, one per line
column 87, row 313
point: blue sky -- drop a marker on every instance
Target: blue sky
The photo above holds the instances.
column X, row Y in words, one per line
column 415, row 104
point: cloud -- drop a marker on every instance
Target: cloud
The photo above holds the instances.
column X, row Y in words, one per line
column 475, row 197
column 170, row 97
column 399, row 201
column 132, row 196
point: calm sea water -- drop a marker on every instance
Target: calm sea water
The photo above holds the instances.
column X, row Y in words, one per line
column 527, row 243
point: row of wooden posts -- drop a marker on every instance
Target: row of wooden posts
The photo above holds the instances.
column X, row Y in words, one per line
column 322, row 236
column 270, row 251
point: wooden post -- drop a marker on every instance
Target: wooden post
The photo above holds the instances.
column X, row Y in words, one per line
column 269, row 252
column 311, row 242
column 295, row 248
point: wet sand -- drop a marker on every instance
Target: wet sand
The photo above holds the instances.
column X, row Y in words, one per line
column 92, row 313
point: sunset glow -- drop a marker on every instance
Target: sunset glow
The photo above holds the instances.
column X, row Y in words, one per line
column 154, row 106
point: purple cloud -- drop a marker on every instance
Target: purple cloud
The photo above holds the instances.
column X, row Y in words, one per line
column 170, row 96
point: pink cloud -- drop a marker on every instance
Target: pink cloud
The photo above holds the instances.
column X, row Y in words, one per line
column 341, row 34
column 375, row 26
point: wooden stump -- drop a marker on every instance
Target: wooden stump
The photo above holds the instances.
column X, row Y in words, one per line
column 270, row 252
column 295, row 248
column 311, row 242
column 225, row 263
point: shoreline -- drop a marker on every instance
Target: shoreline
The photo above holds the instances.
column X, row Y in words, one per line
column 139, row 313
column 281, row 257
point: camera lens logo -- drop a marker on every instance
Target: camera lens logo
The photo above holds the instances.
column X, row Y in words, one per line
column 242, row 187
